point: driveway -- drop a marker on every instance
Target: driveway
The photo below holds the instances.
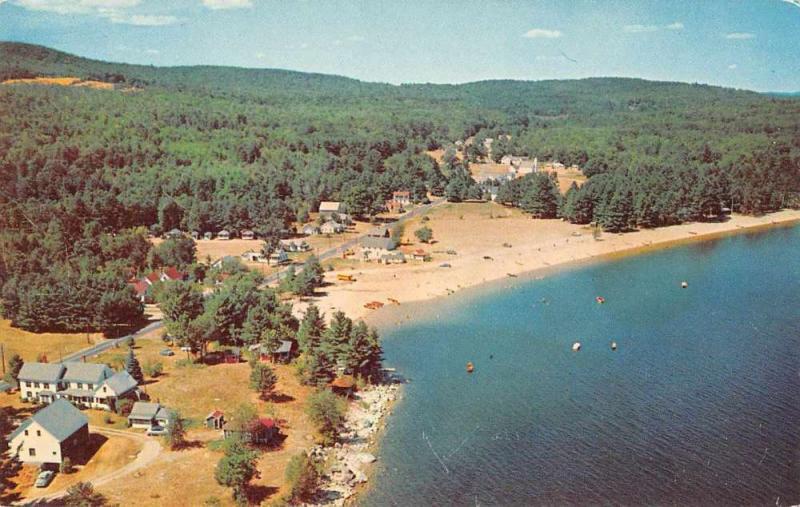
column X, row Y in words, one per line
column 151, row 448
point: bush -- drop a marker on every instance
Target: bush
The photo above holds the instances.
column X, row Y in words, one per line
column 66, row 466
column 326, row 411
column 303, row 477
column 108, row 419
column 124, row 407
column 153, row 370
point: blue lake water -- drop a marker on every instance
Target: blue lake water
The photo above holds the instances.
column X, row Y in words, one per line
column 700, row 404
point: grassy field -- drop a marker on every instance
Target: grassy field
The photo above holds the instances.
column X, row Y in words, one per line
column 187, row 476
column 53, row 345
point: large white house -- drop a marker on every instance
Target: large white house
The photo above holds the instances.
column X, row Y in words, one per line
column 55, row 432
column 88, row 385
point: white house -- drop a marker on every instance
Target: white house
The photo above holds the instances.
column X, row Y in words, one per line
column 402, row 196
column 224, row 234
column 373, row 249
column 53, row 433
column 331, row 227
column 252, row 256
column 248, row 234
column 148, row 415
column 310, row 229
column 328, row 208
column 278, row 257
column 88, row 385
column 295, row 246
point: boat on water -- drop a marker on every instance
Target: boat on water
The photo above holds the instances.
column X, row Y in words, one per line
column 576, row 346
column 684, row 284
column 613, row 345
column 600, row 299
column 470, row 367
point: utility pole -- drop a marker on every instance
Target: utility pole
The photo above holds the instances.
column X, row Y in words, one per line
column 3, row 358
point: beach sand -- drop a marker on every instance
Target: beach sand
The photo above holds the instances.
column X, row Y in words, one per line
column 492, row 242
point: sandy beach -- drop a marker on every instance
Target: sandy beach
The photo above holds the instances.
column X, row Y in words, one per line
column 489, row 242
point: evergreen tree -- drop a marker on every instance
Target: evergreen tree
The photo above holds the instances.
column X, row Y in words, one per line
column 616, row 216
column 312, row 329
column 541, row 197
column 14, row 366
column 133, row 368
column 263, row 379
column 236, row 469
column 176, row 430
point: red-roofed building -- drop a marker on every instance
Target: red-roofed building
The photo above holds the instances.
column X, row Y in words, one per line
column 402, row 196
column 419, row 254
column 215, row 420
column 143, row 290
column 262, row 430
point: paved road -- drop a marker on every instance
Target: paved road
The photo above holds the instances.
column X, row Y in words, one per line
column 108, row 343
column 327, row 254
column 151, row 448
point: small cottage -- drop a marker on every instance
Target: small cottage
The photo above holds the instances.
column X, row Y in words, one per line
column 252, row 256
column 282, row 354
column 174, row 234
column 224, row 234
column 419, row 255
column 310, row 230
column 258, row 431
column 248, row 234
column 208, row 235
column 278, row 258
column 195, row 235
column 344, row 385
column 402, row 196
column 331, row 227
column 148, row 415
column 215, row 420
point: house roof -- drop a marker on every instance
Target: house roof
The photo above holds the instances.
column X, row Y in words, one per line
column 60, row 418
column 42, row 372
column 247, row 231
column 224, row 231
column 329, row 206
column 216, row 414
column 172, row 273
column 401, row 193
column 140, row 287
column 380, row 231
column 91, row 373
column 175, row 232
column 121, row 382
column 382, row 243
column 144, row 410
column 163, row 413
column 344, row 382
column 419, row 251
column 152, row 277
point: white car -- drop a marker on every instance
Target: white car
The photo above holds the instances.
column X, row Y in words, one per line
column 44, row 479
column 156, row 431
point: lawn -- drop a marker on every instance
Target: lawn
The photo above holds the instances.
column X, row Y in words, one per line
column 187, row 476
column 53, row 345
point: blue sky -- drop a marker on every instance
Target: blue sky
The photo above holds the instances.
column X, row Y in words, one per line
column 752, row 44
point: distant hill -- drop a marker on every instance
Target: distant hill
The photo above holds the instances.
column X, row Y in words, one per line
column 784, row 94
column 552, row 97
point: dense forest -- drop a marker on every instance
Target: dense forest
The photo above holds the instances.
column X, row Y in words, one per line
column 84, row 173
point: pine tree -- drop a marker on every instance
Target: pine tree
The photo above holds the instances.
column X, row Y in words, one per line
column 311, row 330
column 133, row 368
column 617, row 214
column 263, row 379
column 541, row 196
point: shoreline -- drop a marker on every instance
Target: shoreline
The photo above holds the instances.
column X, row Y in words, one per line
column 350, row 465
column 535, row 259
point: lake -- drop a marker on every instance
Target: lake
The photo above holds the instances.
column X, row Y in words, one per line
column 699, row 404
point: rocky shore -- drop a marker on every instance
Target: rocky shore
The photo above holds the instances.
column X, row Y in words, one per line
column 347, row 462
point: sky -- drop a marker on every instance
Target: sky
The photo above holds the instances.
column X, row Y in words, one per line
column 749, row 44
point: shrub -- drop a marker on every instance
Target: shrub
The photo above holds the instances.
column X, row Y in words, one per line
column 153, row 370
column 124, row 407
column 66, row 466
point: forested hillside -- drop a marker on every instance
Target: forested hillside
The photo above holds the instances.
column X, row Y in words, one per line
column 206, row 148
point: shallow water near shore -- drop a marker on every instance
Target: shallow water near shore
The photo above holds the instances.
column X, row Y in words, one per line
column 699, row 405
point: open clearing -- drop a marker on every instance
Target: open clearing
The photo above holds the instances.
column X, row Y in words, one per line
column 187, row 476
column 53, row 345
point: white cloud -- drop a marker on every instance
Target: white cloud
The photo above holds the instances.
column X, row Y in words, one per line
column 75, row 6
column 740, row 36
column 640, row 28
column 732, row 66
column 145, row 20
column 217, row 5
column 542, row 33
column 675, row 26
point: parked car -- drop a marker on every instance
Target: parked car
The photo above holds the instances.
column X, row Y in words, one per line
column 444, row 265
column 155, row 431
column 186, row 348
column 167, row 352
column 44, row 479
